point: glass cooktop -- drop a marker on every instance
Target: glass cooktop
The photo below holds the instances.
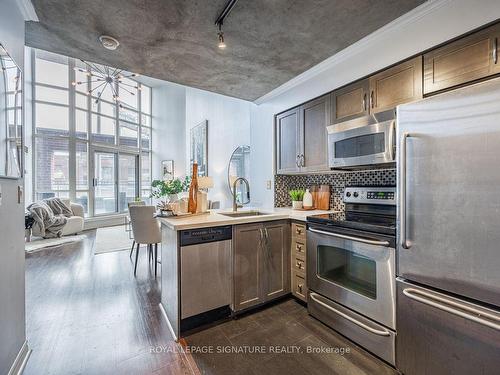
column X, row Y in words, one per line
column 384, row 224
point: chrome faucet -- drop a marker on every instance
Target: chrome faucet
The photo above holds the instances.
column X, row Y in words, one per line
column 236, row 205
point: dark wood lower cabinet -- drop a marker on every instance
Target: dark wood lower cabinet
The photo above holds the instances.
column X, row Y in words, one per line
column 261, row 254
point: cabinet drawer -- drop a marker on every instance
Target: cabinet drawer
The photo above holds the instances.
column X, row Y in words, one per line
column 299, row 231
column 299, row 288
column 299, row 264
column 299, row 248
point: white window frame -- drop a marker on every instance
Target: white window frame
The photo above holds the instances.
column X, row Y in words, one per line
column 91, row 145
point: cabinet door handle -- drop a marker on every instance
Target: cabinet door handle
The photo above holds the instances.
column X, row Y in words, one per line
column 299, row 264
column 299, row 248
column 297, row 161
column 495, row 51
column 372, row 102
column 364, row 102
column 302, row 160
column 300, row 288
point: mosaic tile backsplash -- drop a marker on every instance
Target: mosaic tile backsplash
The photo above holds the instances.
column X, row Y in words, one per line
column 337, row 181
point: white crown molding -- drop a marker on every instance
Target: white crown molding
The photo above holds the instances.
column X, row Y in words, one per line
column 355, row 48
column 27, row 10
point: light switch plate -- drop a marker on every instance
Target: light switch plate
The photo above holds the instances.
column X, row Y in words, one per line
column 269, row 184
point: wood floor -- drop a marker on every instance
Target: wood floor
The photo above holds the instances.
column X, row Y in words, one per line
column 87, row 314
column 291, row 342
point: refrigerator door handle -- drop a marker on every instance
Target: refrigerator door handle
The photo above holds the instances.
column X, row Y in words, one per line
column 444, row 304
column 402, row 194
column 349, row 318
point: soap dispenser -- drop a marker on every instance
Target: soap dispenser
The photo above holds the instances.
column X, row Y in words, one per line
column 307, row 200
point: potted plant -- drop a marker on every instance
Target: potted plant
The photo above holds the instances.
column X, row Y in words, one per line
column 169, row 189
column 297, row 195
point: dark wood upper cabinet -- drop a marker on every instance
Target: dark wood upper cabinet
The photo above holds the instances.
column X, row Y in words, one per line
column 349, row 102
column 467, row 59
column 287, row 133
column 397, row 85
column 314, row 137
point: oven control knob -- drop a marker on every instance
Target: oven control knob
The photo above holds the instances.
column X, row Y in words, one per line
column 348, row 194
column 356, row 194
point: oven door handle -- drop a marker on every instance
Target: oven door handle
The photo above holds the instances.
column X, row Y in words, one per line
column 357, row 239
column 378, row 332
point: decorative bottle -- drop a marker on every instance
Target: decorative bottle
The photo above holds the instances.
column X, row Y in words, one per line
column 193, row 190
column 307, row 200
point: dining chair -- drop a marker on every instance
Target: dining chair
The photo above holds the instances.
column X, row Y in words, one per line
column 129, row 204
column 146, row 231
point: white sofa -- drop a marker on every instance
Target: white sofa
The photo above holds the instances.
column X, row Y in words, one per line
column 75, row 222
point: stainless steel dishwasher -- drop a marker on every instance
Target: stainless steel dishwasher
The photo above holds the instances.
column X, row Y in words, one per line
column 205, row 270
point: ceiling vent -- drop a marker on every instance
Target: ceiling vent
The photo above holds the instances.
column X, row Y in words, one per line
column 109, row 42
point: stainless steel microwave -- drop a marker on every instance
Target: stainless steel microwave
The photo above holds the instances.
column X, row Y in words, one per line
column 358, row 144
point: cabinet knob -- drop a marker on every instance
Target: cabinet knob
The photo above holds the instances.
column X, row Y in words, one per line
column 300, row 287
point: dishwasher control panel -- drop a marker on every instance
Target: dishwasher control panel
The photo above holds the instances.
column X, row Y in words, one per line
column 205, row 235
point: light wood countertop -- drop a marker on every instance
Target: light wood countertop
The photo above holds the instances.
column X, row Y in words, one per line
column 215, row 217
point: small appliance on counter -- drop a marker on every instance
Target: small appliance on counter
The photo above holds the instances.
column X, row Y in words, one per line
column 351, row 268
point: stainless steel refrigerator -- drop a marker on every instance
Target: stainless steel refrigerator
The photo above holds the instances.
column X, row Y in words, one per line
column 448, row 252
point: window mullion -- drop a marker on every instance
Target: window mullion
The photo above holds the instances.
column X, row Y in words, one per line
column 72, row 130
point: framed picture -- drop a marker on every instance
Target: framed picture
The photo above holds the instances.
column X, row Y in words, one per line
column 167, row 170
column 199, row 147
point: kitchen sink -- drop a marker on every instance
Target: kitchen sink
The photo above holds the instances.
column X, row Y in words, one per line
column 243, row 213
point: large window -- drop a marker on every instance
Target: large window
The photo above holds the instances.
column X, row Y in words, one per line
column 97, row 153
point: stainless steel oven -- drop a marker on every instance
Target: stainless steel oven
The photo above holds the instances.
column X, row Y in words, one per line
column 358, row 144
column 357, row 272
column 351, row 269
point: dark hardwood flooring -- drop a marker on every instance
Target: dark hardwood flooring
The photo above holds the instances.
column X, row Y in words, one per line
column 285, row 325
column 87, row 314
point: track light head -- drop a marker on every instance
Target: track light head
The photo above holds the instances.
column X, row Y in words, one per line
column 222, row 44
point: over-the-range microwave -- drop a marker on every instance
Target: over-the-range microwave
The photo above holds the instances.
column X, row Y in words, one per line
column 364, row 142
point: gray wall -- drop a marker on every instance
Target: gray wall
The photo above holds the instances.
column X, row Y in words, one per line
column 12, row 313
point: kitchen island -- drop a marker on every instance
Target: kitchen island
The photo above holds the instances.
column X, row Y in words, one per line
column 201, row 274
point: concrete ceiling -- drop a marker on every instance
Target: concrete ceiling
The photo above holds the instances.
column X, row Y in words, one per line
column 268, row 41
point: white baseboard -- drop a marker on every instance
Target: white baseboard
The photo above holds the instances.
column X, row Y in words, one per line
column 19, row 364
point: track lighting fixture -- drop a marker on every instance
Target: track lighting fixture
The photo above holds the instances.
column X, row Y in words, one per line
column 220, row 34
column 220, row 21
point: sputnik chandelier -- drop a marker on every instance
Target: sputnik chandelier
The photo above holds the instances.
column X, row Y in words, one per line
column 104, row 77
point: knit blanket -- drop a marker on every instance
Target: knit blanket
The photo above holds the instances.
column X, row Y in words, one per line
column 50, row 216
